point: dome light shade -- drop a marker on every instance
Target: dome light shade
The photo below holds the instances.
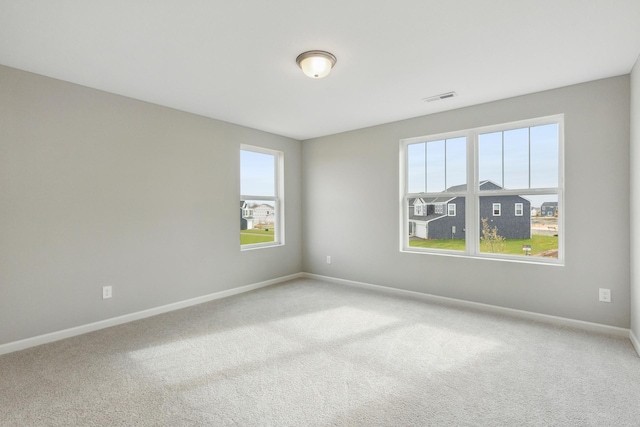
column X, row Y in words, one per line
column 316, row 63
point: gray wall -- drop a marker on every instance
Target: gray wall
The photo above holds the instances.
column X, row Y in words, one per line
column 635, row 199
column 97, row 189
column 351, row 199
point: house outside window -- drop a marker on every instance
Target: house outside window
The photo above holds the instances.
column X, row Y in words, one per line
column 492, row 175
column 261, row 201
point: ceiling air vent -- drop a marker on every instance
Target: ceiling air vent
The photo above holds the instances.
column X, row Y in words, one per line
column 440, row 97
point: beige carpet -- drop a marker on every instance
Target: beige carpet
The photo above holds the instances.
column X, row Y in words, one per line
column 308, row 353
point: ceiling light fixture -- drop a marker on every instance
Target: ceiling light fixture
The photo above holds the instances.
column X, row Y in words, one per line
column 316, row 63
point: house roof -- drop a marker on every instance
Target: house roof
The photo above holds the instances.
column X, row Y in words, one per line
column 427, row 218
column 436, row 200
column 413, row 216
column 484, row 185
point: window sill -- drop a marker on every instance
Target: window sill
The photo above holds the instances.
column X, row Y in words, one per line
column 456, row 254
column 259, row 246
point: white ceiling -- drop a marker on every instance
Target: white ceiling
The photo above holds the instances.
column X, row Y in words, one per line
column 234, row 60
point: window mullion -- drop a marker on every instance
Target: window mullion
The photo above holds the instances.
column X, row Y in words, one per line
column 472, row 213
column 529, row 157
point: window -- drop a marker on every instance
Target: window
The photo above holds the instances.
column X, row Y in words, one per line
column 488, row 178
column 518, row 209
column 418, row 207
column 260, row 197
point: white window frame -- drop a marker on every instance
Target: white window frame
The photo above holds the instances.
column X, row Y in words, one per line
column 496, row 207
column 451, row 209
column 472, row 193
column 277, row 199
column 519, row 207
column 418, row 207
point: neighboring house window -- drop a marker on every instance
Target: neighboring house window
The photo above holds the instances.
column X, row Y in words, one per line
column 519, row 209
column 418, row 209
column 261, row 191
column 517, row 165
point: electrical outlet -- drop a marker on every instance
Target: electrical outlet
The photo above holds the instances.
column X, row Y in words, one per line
column 106, row 292
column 328, row 259
column 605, row 295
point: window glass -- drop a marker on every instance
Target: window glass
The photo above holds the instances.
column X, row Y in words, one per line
column 516, row 159
column 259, row 199
column 456, row 150
column 416, row 169
column 520, row 158
column 441, row 227
column 258, row 222
column 435, row 166
column 257, row 173
column 532, row 234
column 490, row 157
column 544, row 156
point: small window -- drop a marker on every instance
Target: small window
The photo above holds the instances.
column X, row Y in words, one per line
column 497, row 209
column 451, row 209
column 518, row 209
column 260, row 197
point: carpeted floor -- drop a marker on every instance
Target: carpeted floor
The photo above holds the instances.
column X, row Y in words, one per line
column 309, row 353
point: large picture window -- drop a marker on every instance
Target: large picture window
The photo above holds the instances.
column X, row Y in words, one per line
column 261, row 221
column 505, row 182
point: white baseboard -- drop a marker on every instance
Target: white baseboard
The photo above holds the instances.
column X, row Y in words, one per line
column 635, row 342
column 528, row 315
column 90, row 327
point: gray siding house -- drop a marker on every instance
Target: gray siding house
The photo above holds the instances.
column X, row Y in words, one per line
column 444, row 218
column 246, row 216
column 549, row 209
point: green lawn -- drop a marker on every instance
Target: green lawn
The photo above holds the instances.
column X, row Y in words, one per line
column 538, row 244
column 451, row 244
column 248, row 237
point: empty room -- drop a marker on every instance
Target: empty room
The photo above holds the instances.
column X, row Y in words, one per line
column 293, row 213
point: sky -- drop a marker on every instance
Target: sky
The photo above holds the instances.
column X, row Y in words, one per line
column 257, row 173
